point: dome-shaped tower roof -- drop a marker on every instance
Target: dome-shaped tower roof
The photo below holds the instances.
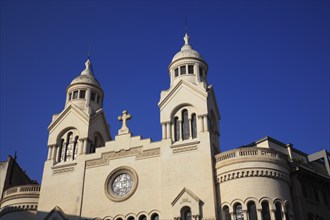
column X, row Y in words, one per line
column 86, row 76
column 186, row 51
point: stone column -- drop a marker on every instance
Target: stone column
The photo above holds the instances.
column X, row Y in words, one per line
column 259, row 214
column 196, row 72
column 57, row 159
column 189, row 128
column 245, row 214
column 85, row 146
column 180, row 129
column 81, row 146
column 54, row 153
column 205, row 122
column 272, row 214
column 88, row 97
column 168, row 129
column 200, row 123
column 163, row 131
column 50, row 150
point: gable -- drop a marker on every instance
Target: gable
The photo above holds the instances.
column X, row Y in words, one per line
column 56, row 214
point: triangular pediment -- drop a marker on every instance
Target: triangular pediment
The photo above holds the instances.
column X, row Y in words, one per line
column 70, row 109
column 186, row 195
column 56, row 214
column 176, row 89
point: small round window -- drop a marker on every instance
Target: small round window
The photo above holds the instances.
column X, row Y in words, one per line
column 121, row 184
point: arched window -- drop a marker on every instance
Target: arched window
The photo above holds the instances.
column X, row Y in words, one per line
column 265, row 210
column 176, row 129
column 68, row 147
column 252, row 211
column 60, row 154
column 238, row 212
column 287, row 211
column 278, row 211
column 226, row 213
column 130, row 218
column 186, row 213
column 143, row 217
column 75, row 148
column 155, row 216
column 185, row 125
column 193, row 126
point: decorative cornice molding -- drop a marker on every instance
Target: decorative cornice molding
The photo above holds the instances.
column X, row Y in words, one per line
column 138, row 152
column 253, row 172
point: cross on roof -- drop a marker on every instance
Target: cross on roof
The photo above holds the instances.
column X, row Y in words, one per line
column 124, row 117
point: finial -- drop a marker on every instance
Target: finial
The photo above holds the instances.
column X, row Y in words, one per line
column 124, row 117
column 88, row 68
column 186, row 39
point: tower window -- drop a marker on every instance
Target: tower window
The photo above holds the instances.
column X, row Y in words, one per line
column 98, row 99
column 75, row 94
column 183, row 70
column 226, row 213
column 70, row 96
column 93, row 96
column 190, row 69
column 185, row 125
column 238, row 212
column 265, row 210
column 82, row 94
column 252, row 210
column 176, row 72
column 278, row 211
column 193, row 126
column 176, row 129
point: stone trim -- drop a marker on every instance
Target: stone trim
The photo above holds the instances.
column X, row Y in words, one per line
column 138, row 152
column 18, row 208
column 253, row 172
column 112, row 176
column 184, row 149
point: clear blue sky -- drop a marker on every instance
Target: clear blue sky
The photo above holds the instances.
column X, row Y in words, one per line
column 268, row 62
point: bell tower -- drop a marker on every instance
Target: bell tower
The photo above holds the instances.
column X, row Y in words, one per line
column 81, row 127
column 188, row 108
column 189, row 117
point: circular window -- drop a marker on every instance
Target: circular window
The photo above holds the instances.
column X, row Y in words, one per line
column 121, row 184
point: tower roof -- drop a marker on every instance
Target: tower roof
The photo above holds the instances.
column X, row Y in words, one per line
column 86, row 76
column 187, row 51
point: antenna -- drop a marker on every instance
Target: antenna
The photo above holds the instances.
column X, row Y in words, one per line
column 15, row 155
column 186, row 24
column 89, row 51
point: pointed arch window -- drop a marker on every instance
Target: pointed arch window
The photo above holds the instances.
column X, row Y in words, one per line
column 238, row 212
column 265, row 210
column 226, row 213
column 252, row 210
column 185, row 125
column 176, row 129
column 278, row 211
column 193, row 126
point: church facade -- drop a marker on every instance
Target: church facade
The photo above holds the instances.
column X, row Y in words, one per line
column 91, row 174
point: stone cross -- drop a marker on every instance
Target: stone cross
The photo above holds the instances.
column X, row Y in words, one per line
column 124, row 117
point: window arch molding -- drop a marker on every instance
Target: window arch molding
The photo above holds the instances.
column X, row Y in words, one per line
column 184, row 122
column 67, row 143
